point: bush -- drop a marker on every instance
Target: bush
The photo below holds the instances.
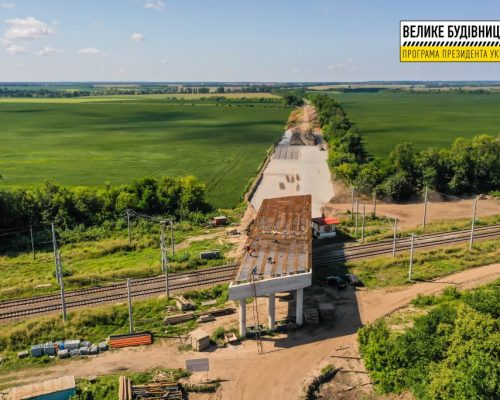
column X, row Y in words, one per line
column 79, row 208
column 449, row 353
column 217, row 334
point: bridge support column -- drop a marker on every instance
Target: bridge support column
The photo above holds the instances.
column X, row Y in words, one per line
column 272, row 311
column 243, row 317
column 299, row 306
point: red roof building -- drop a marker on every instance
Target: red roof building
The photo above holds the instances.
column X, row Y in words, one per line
column 325, row 227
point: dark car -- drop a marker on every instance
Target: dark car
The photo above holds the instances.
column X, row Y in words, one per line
column 353, row 280
column 336, row 281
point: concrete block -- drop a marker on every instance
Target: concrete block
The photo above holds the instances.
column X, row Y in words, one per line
column 63, row 354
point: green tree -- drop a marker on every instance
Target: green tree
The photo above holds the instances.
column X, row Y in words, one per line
column 293, row 98
column 470, row 368
column 400, row 186
column 486, row 163
column 368, row 178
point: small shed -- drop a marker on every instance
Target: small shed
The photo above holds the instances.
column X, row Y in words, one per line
column 220, row 220
column 54, row 389
column 325, row 227
column 199, row 340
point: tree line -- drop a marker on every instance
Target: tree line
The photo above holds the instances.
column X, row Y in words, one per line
column 449, row 353
column 53, row 92
column 468, row 166
column 69, row 207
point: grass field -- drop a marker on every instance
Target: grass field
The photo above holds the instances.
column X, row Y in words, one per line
column 385, row 271
column 427, row 120
column 101, row 262
column 90, row 141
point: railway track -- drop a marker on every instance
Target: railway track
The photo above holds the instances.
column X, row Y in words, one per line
column 144, row 287
column 117, row 292
column 324, row 256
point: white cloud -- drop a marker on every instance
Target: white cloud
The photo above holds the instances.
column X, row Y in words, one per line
column 48, row 51
column 343, row 64
column 137, row 37
column 16, row 50
column 28, row 28
column 7, row 5
column 163, row 61
column 91, row 51
column 155, row 4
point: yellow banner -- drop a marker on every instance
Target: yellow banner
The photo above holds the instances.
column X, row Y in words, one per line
column 449, row 54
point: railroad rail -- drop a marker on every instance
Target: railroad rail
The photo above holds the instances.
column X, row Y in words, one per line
column 325, row 255
column 143, row 287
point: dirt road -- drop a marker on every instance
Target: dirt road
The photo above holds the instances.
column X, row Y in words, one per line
column 287, row 361
column 298, row 169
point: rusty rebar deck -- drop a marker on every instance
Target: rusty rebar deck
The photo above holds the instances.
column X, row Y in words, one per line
column 280, row 240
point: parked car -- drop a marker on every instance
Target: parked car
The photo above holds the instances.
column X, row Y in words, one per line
column 353, row 280
column 336, row 281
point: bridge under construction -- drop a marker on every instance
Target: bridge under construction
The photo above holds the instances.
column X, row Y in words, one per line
column 277, row 256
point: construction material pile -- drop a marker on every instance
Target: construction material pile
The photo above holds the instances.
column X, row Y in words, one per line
column 326, row 311
column 207, row 316
column 301, row 138
column 163, row 390
column 64, row 349
column 200, row 340
column 132, row 339
column 183, row 304
column 311, row 315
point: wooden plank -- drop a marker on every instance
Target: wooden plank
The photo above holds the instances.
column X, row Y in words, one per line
column 347, row 357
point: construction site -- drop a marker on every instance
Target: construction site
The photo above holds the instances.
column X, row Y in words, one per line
column 277, row 258
column 290, row 307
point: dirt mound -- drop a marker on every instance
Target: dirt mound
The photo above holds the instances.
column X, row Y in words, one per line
column 303, row 138
column 305, row 127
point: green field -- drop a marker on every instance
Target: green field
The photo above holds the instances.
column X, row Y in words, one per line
column 91, row 141
column 428, row 120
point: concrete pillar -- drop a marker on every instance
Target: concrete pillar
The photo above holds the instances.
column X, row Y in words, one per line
column 243, row 317
column 272, row 311
column 299, row 306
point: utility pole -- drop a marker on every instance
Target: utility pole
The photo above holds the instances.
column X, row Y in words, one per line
column 54, row 244
column 61, row 281
column 172, row 236
column 352, row 203
column 32, row 242
column 164, row 260
column 130, row 320
column 363, row 226
column 425, row 206
column 374, row 204
column 394, row 237
column 471, row 242
column 357, row 209
column 411, row 256
column 128, row 226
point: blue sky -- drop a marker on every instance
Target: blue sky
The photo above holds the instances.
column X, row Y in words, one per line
column 224, row 40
